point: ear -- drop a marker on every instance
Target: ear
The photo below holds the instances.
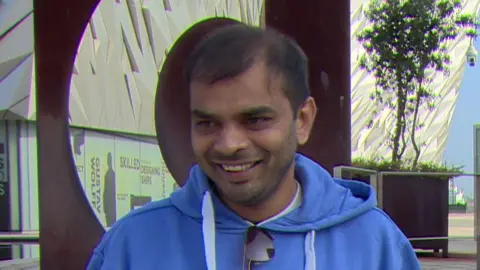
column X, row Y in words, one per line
column 305, row 119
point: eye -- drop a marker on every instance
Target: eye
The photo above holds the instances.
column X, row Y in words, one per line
column 204, row 124
column 258, row 122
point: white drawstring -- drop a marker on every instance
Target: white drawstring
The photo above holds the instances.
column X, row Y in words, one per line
column 208, row 229
column 310, row 258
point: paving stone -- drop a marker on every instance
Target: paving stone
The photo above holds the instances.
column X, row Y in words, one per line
column 445, row 264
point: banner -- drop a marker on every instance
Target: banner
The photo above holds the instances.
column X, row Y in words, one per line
column 127, row 167
column 118, row 174
column 99, row 152
column 152, row 172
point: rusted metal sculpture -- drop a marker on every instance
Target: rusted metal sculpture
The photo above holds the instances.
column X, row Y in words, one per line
column 173, row 129
column 322, row 29
column 68, row 227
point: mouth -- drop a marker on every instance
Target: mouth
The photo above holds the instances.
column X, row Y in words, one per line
column 238, row 168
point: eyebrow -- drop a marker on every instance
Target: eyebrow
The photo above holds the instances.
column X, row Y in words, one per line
column 254, row 111
column 202, row 114
column 258, row 111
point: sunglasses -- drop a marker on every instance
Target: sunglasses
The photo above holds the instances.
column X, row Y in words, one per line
column 258, row 247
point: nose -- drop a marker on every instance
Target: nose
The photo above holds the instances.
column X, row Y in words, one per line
column 231, row 140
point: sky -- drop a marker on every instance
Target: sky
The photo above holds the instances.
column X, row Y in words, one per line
column 460, row 144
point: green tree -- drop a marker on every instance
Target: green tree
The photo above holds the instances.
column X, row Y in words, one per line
column 405, row 43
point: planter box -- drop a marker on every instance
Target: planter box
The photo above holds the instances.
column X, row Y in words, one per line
column 419, row 206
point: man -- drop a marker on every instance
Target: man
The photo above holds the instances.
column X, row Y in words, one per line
column 252, row 202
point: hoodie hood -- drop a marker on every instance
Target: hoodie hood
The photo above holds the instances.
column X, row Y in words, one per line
column 326, row 201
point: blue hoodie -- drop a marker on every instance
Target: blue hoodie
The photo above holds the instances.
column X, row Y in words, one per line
column 337, row 227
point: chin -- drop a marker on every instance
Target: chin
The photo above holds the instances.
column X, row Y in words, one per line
column 246, row 198
column 251, row 201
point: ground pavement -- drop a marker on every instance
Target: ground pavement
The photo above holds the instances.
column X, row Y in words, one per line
column 459, row 225
column 447, row 265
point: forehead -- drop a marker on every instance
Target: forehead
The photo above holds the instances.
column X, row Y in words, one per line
column 253, row 88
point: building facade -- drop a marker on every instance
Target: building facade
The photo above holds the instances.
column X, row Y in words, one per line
column 118, row 172
column 111, row 102
column 370, row 142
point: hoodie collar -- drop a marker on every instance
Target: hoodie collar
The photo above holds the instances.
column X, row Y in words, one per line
column 326, row 202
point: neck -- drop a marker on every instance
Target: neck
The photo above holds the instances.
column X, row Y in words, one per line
column 280, row 198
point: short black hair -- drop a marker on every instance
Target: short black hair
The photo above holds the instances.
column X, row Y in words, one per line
column 232, row 50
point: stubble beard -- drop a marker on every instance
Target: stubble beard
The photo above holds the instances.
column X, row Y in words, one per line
column 265, row 192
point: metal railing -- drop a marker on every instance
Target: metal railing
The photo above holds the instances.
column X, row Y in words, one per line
column 20, row 238
column 26, row 237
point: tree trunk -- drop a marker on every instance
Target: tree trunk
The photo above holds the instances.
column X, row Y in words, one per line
column 414, row 126
column 399, row 126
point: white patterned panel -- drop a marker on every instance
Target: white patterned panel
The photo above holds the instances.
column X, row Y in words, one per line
column 16, row 60
column 123, row 49
column 369, row 142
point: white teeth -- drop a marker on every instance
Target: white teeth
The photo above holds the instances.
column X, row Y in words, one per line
column 237, row 168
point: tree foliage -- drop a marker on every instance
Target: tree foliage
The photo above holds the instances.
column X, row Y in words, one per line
column 405, row 43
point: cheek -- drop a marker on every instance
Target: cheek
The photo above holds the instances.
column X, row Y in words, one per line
column 280, row 142
column 200, row 145
column 272, row 140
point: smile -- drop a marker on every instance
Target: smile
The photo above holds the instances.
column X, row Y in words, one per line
column 238, row 167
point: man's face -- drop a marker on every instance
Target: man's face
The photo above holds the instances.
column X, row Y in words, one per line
column 244, row 134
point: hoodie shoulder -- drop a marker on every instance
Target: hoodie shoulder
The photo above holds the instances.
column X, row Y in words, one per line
column 149, row 216
column 396, row 250
column 152, row 208
column 384, row 238
column 377, row 223
column 136, row 218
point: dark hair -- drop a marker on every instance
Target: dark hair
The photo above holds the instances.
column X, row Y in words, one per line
column 232, row 50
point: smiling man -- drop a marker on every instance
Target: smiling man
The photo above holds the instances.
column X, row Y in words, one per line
column 253, row 202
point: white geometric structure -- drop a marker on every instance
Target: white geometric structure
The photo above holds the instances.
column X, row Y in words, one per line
column 16, row 58
column 123, row 48
column 369, row 142
column 122, row 52
column 116, row 70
